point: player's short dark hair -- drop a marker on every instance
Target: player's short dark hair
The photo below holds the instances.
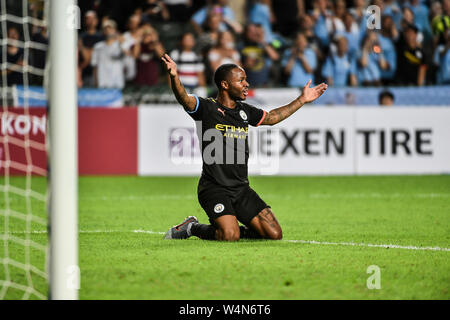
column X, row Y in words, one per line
column 385, row 93
column 222, row 73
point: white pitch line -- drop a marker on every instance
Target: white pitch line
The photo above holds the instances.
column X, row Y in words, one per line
column 387, row 246
column 358, row 195
column 325, row 243
column 89, row 231
column 148, row 231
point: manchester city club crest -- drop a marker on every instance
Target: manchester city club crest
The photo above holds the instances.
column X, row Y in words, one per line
column 243, row 114
column 218, row 208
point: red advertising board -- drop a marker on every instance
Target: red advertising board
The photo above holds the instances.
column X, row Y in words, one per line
column 107, row 141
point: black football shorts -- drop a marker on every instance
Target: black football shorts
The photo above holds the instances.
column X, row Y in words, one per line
column 242, row 202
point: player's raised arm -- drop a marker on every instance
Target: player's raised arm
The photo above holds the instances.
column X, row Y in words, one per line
column 308, row 95
column 186, row 100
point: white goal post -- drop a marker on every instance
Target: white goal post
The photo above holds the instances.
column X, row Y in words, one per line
column 38, row 162
column 64, row 275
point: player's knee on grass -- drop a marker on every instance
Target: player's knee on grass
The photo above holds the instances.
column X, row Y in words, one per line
column 228, row 234
column 227, row 228
column 267, row 225
column 274, row 233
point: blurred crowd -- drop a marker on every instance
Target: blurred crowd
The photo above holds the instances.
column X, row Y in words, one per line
column 278, row 42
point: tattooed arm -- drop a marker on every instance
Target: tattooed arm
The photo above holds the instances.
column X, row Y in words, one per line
column 308, row 95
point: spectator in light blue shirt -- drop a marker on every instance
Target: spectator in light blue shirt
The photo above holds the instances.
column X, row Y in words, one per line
column 260, row 14
column 320, row 14
column 420, row 16
column 387, row 39
column 221, row 7
column 391, row 8
column 340, row 67
column 371, row 61
column 442, row 60
column 352, row 34
column 359, row 13
column 299, row 62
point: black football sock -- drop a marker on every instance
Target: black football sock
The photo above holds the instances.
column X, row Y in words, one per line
column 248, row 233
column 203, row 231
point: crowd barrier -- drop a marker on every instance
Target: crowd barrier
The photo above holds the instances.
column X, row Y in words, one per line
column 348, row 96
column 33, row 96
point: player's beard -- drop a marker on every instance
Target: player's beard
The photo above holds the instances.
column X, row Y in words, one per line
column 237, row 97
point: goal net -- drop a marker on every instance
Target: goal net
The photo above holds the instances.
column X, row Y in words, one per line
column 27, row 256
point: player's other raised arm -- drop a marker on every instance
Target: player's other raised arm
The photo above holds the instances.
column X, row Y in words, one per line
column 187, row 101
column 308, row 95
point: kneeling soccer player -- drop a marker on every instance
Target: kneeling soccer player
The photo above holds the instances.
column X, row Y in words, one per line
column 223, row 190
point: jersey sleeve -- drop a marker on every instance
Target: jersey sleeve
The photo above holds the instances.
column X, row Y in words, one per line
column 197, row 113
column 255, row 115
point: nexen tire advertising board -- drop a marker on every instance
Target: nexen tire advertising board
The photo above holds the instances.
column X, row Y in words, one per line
column 403, row 140
column 315, row 140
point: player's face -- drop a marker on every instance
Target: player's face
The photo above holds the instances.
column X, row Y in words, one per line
column 237, row 84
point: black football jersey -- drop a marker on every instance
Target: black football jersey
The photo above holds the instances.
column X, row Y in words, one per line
column 223, row 136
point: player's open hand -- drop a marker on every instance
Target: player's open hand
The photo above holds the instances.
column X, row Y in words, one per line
column 311, row 94
column 170, row 65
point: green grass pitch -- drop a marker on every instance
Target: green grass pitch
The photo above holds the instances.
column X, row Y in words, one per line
column 123, row 256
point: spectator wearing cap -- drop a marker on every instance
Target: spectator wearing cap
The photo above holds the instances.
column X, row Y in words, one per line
column 299, row 62
column 411, row 66
column 107, row 59
column 340, row 68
